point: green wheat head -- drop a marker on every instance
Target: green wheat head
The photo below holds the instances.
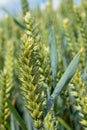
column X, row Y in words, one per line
column 33, row 76
column 78, row 90
column 73, row 46
column 6, row 83
column 82, row 32
column 49, row 122
column 25, row 6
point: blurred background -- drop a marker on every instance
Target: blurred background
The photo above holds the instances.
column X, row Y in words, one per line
column 14, row 6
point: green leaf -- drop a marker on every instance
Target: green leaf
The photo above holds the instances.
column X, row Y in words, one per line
column 67, row 76
column 53, row 54
column 17, row 116
column 12, row 122
column 20, row 24
column 63, row 123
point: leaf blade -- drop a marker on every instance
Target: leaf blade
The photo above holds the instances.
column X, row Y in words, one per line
column 53, row 54
column 17, row 116
column 19, row 23
column 63, row 82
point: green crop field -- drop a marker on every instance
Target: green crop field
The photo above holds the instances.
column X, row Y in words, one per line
column 43, row 67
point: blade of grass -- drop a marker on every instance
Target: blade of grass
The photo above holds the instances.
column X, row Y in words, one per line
column 67, row 76
column 8, row 127
column 17, row 116
column 28, row 119
column 53, row 54
column 20, row 24
column 60, row 120
column 12, row 122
